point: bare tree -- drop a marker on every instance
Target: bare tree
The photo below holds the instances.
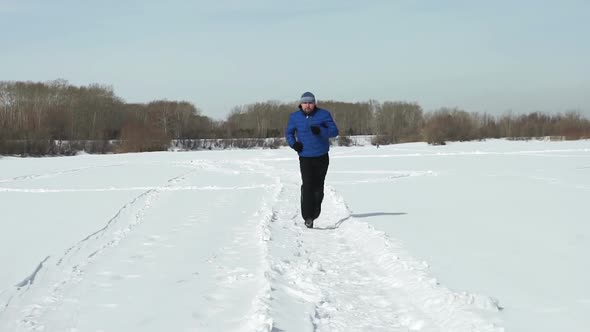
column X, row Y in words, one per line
column 398, row 122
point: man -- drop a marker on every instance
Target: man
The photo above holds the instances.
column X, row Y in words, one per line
column 308, row 132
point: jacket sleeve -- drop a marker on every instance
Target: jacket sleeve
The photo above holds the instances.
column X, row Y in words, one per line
column 290, row 132
column 330, row 125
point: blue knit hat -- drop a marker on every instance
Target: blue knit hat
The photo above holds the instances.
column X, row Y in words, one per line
column 307, row 97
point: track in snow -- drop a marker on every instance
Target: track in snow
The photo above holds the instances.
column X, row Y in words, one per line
column 345, row 276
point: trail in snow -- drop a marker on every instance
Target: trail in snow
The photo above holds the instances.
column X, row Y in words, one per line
column 189, row 253
column 345, row 276
column 158, row 188
column 68, row 269
column 209, row 263
column 54, row 174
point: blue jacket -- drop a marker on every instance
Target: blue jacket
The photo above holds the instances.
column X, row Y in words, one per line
column 299, row 125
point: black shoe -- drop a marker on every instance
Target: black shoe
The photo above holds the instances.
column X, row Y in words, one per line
column 309, row 223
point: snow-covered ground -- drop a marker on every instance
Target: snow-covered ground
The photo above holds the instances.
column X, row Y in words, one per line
column 476, row 236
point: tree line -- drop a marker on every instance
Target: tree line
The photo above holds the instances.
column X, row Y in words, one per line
column 37, row 117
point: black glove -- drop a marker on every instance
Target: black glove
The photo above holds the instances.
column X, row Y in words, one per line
column 297, row 146
column 315, row 130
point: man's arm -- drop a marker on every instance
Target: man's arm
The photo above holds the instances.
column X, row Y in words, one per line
column 330, row 125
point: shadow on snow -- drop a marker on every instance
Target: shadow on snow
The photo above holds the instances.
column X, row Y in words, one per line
column 376, row 214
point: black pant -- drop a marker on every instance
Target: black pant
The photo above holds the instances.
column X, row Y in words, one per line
column 313, row 174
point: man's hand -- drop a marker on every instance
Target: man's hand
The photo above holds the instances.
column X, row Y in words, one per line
column 297, row 146
column 315, row 130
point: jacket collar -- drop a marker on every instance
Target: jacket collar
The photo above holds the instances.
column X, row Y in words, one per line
column 314, row 111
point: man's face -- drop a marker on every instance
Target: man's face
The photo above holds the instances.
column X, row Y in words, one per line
column 307, row 107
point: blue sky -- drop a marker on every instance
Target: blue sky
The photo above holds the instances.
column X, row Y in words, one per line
column 480, row 56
